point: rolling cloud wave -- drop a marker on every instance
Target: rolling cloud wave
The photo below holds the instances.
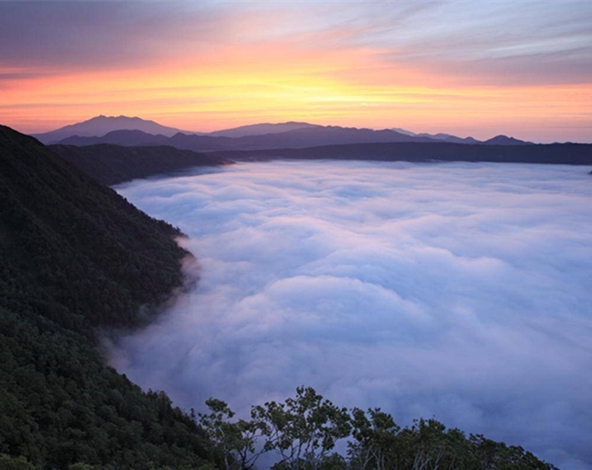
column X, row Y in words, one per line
column 459, row 291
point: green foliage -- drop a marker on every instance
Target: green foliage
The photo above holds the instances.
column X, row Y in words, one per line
column 379, row 443
column 15, row 463
column 303, row 431
column 236, row 441
column 75, row 256
column 70, row 244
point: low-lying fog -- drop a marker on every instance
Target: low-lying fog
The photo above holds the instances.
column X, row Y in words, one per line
column 456, row 291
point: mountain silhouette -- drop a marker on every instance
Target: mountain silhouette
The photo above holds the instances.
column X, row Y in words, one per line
column 101, row 125
column 134, row 131
column 505, row 140
column 453, row 139
column 261, row 129
column 296, row 138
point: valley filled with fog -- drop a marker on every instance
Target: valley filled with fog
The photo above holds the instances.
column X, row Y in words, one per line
column 457, row 291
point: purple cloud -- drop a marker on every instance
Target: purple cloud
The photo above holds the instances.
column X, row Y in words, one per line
column 454, row 290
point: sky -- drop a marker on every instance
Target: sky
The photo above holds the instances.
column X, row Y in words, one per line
column 521, row 68
column 455, row 290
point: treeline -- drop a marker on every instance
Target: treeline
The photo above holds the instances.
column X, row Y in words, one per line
column 303, row 431
column 74, row 257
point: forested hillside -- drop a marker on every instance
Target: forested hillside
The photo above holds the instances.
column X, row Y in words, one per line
column 75, row 256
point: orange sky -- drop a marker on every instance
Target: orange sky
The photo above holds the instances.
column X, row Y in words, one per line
column 223, row 65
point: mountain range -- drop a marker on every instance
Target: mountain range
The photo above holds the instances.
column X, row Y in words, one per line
column 135, row 131
column 101, row 125
column 124, row 154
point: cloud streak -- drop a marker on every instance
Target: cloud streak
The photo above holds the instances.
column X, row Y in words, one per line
column 375, row 64
column 518, row 41
column 459, row 291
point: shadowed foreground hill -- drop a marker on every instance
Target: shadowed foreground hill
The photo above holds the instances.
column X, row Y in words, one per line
column 113, row 164
column 74, row 256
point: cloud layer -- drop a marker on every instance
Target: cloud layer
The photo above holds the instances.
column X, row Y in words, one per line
column 459, row 291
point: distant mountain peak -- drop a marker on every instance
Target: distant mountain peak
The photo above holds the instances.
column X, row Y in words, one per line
column 505, row 140
column 402, row 131
column 261, row 129
column 101, row 125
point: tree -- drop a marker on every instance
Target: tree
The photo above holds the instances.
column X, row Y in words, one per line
column 234, row 440
column 303, row 430
column 375, row 440
column 15, row 463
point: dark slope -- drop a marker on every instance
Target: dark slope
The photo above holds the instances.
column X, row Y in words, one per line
column 54, row 216
column 113, row 164
column 125, row 137
column 569, row 154
column 133, row 138
column 75, row 256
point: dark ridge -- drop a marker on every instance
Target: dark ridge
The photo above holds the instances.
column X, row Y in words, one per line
column 568, row 154
column 121, row 137
column 113, row 164
column 75, row 256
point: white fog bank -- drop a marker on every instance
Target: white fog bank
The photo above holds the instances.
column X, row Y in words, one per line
column 460, row 291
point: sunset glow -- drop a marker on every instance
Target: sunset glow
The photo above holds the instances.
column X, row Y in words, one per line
column 427, row 67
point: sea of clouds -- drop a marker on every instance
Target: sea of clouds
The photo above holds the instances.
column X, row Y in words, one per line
column 450, row 290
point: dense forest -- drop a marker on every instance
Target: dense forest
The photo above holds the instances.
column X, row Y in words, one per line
column 113, row 164
column 76, row 258
column 302, row 434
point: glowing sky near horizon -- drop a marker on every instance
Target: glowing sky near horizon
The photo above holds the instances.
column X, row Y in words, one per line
column 522, row 68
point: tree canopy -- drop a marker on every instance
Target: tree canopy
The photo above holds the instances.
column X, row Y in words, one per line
column 303, row 432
